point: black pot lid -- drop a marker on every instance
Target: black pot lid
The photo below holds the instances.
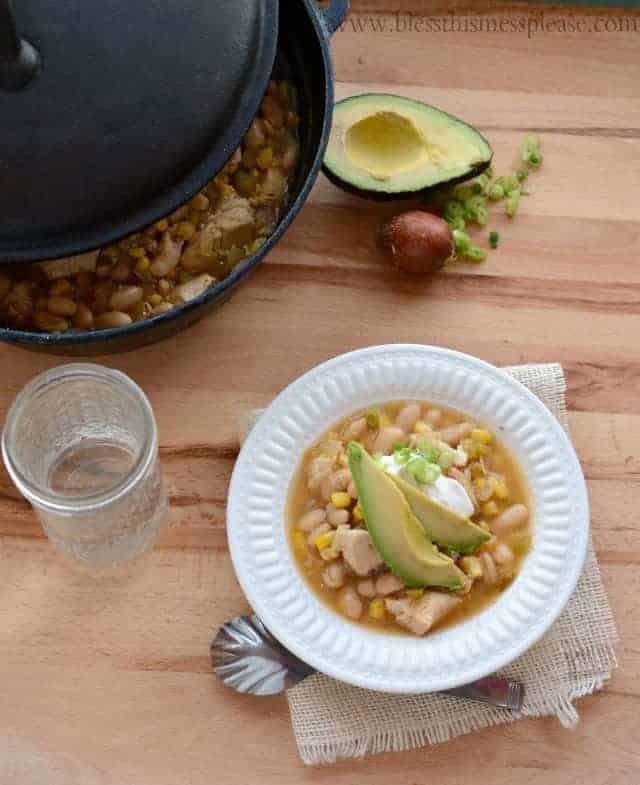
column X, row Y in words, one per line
column 127, row 111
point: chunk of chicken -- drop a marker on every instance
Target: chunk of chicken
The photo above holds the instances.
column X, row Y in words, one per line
column 357, row 549
column 388, row 584
column 235, row 219
column 168, row 257
column 203, row 248
column 191, row 289
column 419, row 616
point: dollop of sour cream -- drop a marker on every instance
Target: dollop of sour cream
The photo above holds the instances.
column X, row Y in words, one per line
column 445, row 490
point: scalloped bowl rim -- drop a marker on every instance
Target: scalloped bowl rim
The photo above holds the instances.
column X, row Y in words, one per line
column 352, row 653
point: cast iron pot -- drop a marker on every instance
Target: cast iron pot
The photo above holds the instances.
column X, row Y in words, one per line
column 305, row 30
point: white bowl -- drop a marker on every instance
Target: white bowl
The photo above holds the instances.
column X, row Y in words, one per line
column 458, row 655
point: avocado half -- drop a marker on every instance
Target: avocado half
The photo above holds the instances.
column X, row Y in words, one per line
column 388, row 147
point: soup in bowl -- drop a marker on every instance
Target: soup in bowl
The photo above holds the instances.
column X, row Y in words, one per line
column 408, row 517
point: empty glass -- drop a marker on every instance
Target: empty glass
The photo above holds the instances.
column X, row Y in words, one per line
column 81, row 444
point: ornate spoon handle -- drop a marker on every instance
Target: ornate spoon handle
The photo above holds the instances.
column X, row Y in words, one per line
column 249, row 659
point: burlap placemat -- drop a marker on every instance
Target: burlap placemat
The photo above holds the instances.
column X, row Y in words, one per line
column 333, row 720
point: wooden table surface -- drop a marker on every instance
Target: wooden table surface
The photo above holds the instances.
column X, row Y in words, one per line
column 107, row 682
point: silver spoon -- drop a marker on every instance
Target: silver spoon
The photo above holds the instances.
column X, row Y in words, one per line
column 249, row 659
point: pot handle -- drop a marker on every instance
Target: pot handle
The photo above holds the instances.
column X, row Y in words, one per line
column 333, row 15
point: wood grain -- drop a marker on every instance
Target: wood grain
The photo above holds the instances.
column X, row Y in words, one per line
column 107, row 682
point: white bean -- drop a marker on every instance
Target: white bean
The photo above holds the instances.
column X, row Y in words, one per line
column 387, row 437
column 337, row 517
column 162, row 308
column 352, row 490
column 350, row 603
column 112, row 319
column 125, row 298
column 311, row 519
column 290, row 156
column 408, row 416
column 336, row 481
column 366, row 588
column 433, row 417
column 355, row 429
column 503, row 554
column 388, row 584
column 454, row 434
column 61, row 306
column 510, row 519
column 489, row 572
column 334, row 574
column 272, row 111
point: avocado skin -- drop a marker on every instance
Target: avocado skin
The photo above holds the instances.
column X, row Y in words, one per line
column 391, row 532
column 382, row 196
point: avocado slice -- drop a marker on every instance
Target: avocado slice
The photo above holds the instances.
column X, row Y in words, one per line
column 442, row 525
column 396, row 532
column 389, row 147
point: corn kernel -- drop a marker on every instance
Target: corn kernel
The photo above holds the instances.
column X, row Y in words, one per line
column 376, row 609
column 480, row 483
column 384, row 421
column 161, row 225
column 341, row 500
column 200, row 202
column 421, row 427
column 472, row 566
column 324, row 540
column 299, row 540
column 137, row 253
column 264, row 159
column 415, row 594
column 155, row 299
column 343, row 460
column 481, row 435
column 143, row 265
column 490, row 509
column 185, row 230
column 476, row 470
column 358, row 515
column 501, row 491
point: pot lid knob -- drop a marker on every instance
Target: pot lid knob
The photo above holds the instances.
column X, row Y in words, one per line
column 19, row 60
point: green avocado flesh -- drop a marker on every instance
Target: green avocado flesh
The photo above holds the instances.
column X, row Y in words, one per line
column 396, row 532
column 387, row 145
column 442, row 525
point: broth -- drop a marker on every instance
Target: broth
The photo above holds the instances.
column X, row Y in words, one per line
column 494, row 472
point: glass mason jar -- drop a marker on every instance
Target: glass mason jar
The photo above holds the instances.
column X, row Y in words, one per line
column 81, row 444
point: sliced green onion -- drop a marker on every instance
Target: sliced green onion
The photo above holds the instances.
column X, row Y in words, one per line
column 496, row 192
column 453, row 209
column 475, row 209
column 476, row 254
column 427, row 450
column 522, row 175
column 508, row 182
column 457, row 224
column 446, row 458
column 534, row 159
column 494, row 239
column 432, row 472
column 377, row 457
column 461, row 241
column 402, row 454
column 373, row 418
column 513, row 202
